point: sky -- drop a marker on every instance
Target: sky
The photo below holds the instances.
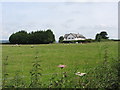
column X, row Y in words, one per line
column 86, row 18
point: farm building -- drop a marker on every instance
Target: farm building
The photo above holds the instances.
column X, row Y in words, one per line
column 73, row 37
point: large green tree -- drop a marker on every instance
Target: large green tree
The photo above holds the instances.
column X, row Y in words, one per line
column 20, row 37
column 100, row 36
column 37, row 37
column 104, row 34
column 61, row 38
column 50, row 36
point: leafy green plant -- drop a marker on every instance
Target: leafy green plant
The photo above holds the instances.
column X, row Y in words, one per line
column 17, row 81
column 35, row 74
column 103, row 76
column 5, row 74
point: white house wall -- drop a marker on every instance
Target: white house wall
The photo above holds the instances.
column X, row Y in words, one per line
column 80, row 38
column 71, row 38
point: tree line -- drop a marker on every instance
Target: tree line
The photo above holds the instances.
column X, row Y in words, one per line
column 37, row 37
column 46, row 37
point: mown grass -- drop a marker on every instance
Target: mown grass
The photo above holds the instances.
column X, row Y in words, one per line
column 83, row 57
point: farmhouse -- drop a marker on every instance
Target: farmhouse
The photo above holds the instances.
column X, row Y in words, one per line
column 73, row 37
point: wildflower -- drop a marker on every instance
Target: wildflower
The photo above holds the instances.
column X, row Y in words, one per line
column 80, row 74
column 62, row 66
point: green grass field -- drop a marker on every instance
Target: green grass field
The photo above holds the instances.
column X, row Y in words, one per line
column 82, row 56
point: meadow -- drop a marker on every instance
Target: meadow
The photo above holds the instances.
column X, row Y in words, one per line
column 83, row 58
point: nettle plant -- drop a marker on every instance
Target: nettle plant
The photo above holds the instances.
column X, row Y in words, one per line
column 5, row 74
column 36, row 74
column 18, row 81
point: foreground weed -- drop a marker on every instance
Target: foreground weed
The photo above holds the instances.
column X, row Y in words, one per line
column 5, row 74
column 36, row 74
column 18, row 81
column 104, row 75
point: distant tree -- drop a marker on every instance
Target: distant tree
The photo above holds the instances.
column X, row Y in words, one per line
column 41, row 37
column 31, row 38
column 20, row 37
column 50, row 36
column 61, row 38
column 98, row 37
column 101, row 36
column 37, row 37
column 104, row 35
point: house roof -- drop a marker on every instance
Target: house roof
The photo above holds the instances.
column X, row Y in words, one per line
column 74, row 35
